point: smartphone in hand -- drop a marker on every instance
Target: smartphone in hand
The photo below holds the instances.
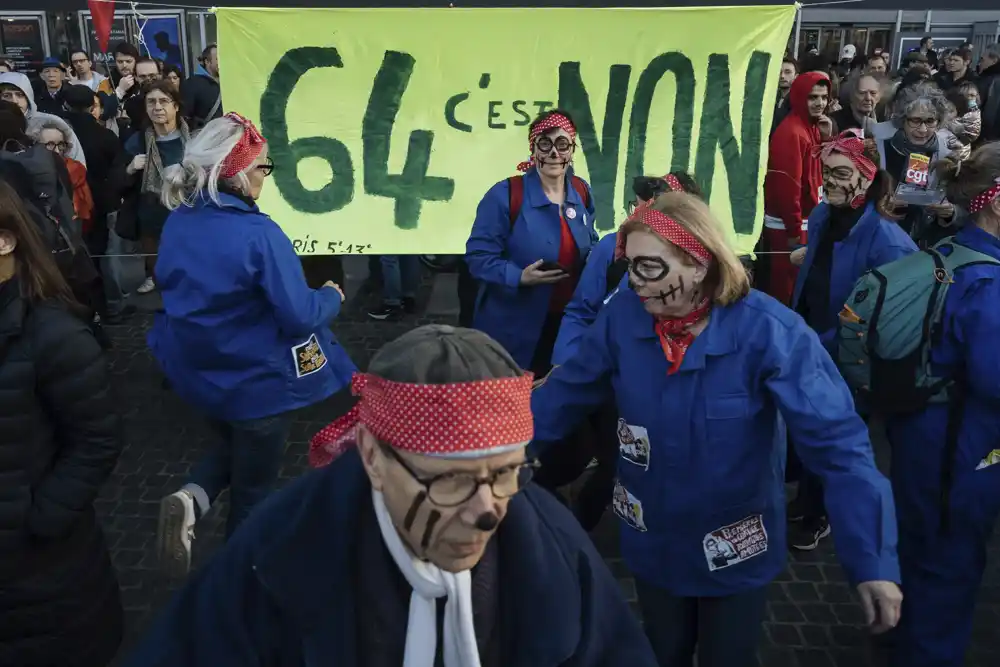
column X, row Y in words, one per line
column 551, row 266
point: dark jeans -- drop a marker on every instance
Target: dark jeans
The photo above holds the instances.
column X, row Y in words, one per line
column 722, row 631
column 595, row 496
column 810, row 499
column 468, row 290
column 246, row 462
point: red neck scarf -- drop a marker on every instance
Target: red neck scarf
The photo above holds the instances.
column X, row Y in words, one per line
column 676, row 337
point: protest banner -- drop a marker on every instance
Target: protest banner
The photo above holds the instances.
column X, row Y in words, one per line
column 387, row 126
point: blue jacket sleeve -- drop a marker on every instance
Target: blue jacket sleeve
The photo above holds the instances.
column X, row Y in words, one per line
column 223, row 617
column 832, row 441
column 298, row 309
column 977, row 327
column 588, row 298
column 572, row 390
column 485, row 249
column 894, row 250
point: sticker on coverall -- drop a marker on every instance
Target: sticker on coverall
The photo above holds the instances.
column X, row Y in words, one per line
column 735, row 543
column 308, row 357
column 628, row 508
column 633, row 444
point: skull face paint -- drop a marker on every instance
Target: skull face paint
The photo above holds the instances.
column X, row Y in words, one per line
column 843, row 184
column 675, row 289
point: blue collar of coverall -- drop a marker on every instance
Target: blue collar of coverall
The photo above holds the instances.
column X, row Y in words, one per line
column 719, row 337
column 537, row 198
column 308, row 567
column 227, row 200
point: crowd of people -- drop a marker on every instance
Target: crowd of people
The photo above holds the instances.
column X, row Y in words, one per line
column 692, row 385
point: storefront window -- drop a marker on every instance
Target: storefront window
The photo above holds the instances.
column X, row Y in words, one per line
column 195, row 37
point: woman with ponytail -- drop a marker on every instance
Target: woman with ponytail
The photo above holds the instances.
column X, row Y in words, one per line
column 946, row 456
column 850, row 232
column 242, row 337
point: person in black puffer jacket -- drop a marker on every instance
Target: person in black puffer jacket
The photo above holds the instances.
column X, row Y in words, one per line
column 60, row 438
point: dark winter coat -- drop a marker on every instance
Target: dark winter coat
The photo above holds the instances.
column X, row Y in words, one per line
column 283, row 591
column 59, row 440
column 200, row 92
column 102, row 150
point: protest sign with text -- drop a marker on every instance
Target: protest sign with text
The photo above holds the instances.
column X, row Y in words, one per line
column 387, row 126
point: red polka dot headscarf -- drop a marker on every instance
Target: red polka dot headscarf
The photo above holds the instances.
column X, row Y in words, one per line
column 668, row 229
column 985, row 199
column 459, row 420
column 246, row 151
column 556, row 121
column 849, row 144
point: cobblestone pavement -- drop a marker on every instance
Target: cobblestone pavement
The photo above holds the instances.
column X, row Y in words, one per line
column 813, row 620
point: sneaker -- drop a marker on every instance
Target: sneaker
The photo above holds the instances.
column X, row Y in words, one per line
column 807, row 538
column 147, row 286
column 386, row 312
column 409, row 305
column 176, row 532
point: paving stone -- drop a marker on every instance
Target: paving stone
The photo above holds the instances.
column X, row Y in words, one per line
column 813, row 618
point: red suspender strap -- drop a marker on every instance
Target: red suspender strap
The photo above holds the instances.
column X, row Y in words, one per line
column 516, row 197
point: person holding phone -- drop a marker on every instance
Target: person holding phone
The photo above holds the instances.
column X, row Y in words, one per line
column 528, row 244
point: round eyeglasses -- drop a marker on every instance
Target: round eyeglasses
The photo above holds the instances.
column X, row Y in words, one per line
column 451, row 489
column 561, row 144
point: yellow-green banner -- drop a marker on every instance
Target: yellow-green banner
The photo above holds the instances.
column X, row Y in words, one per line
column 387, row 126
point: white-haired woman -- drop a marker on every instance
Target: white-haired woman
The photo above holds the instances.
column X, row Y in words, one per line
column 242, row 337
column 911, row 142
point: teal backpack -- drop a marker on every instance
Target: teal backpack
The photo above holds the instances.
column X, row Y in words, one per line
column 887, row 329
column 889, row 323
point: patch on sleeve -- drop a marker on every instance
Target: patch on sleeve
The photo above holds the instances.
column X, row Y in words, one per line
column 735, row 543
column 633, row 444
column 308, row 357
column 628, row 508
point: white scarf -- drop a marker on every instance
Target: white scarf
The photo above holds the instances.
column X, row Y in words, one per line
column 429, row 583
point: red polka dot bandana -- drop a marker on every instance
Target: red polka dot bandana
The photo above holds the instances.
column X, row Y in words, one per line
column 465, row 419
column 553, row 122
column 673, row 183
column 852, row 146
column 669, row 229
column 246, row 151
column 984, row 200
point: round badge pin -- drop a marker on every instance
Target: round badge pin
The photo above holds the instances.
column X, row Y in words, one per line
column 571, row 213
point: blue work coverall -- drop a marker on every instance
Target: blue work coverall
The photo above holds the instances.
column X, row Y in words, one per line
column 701, row 472
column 497, row 252
column 942, row 569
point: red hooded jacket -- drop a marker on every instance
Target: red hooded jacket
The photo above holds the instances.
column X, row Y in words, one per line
column 794, row 176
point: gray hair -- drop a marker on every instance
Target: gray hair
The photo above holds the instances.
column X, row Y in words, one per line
column 922, row 96
column 35, row 130
column 200, row 169
column 993, row 51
